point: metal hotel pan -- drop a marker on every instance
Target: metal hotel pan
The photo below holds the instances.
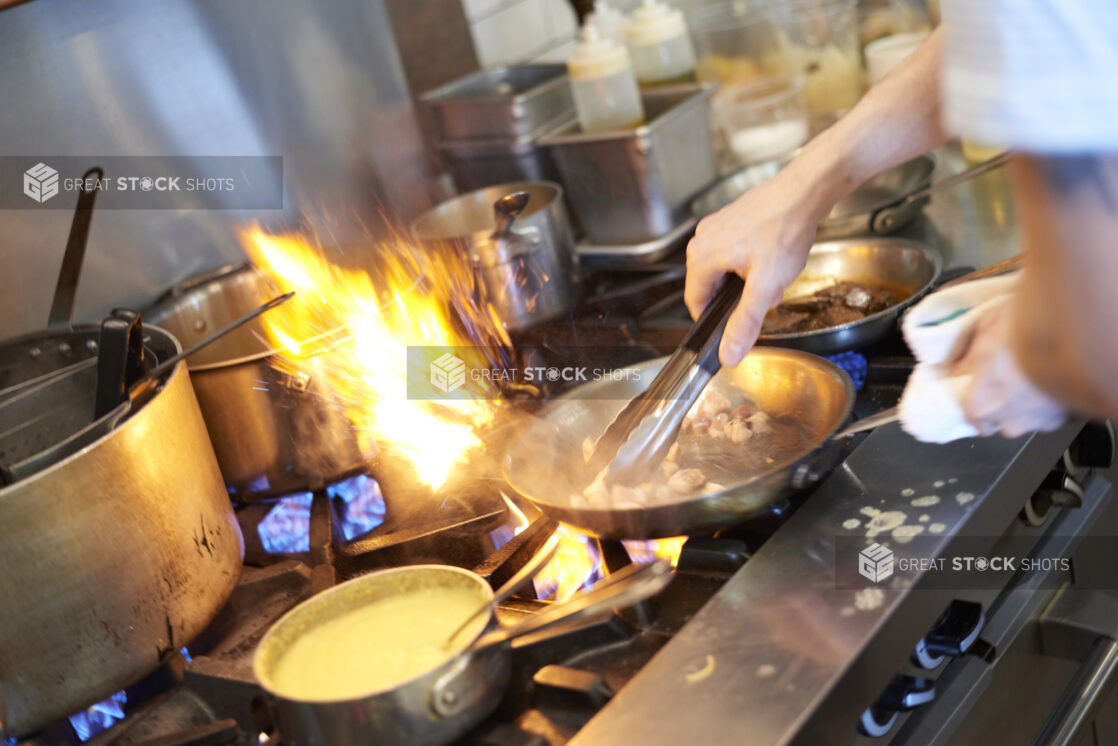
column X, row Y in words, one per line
column 907, row 265
column 546, row 462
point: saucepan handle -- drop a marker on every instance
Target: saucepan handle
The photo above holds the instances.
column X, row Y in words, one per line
column 626, row 587
column 883, row 221
column 817, row 467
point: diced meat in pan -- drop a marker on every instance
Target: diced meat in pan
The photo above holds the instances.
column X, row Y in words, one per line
column 840, row 303
column 686, row 481
column 839, row 315
column 781, row 320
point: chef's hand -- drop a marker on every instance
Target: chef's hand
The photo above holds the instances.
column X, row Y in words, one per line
column 1000, row 398
column 764, row 237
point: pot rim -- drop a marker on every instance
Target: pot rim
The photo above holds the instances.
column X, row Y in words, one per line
column 261, row 654
column 423, row 231
column 131, row 420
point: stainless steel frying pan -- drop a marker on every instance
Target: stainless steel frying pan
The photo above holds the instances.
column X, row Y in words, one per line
column 880, row 206
column 908, row 266
column 546, row 464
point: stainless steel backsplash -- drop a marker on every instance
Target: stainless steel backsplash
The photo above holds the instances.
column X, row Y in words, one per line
column 319, row 83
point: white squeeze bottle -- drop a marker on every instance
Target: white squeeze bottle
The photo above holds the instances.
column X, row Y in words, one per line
column 602, row 83
column 609, row 20
column 660, row 45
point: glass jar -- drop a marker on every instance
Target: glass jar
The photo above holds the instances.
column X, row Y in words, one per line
column 817, row 40
column 762, row 120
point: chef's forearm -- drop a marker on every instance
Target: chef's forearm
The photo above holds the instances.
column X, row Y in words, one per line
column 898, row 119
column 1065, row 332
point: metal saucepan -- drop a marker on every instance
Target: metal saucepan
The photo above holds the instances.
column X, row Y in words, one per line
column 526, row 268
column 546, row 464
column 910, row 267
column 441, row 704
column 113, row 557
column 275, row 429
column 880, row 206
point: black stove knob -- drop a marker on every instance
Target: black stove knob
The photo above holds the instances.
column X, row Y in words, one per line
column 904, row 693
column 1093, row 448
column 876, row 723
column 954, row 634
column 1059, row 490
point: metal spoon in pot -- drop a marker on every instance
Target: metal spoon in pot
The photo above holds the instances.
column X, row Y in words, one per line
column 507, row 209
column 526, row 573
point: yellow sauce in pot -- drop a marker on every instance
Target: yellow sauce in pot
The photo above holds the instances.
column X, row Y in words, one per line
column 377, row 646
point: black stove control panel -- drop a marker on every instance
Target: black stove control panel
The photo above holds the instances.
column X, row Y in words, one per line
column 955, row 633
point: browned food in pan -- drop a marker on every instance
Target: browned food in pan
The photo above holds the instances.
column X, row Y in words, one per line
column 835, row 305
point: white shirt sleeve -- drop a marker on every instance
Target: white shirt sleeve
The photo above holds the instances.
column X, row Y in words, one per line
column 1035, row 75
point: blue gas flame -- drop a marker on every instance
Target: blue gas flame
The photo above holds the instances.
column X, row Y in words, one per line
column 855, row 365
column 99, row 717
column 286, row 528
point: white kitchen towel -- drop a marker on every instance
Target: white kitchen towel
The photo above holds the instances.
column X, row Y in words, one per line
column 938, row 330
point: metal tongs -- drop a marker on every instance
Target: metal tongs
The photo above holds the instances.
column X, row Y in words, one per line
column 642, row 433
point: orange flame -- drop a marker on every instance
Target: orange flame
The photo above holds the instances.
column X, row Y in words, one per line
column 577, row 563
column 353, row 327
column 647, row 551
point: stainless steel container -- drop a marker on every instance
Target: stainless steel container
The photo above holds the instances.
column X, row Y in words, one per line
column 632, row 186
column 506, row 102
column 275, row 428
column 112, row 558
column 480, row 162
column 488, row 122
column 528, row 277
